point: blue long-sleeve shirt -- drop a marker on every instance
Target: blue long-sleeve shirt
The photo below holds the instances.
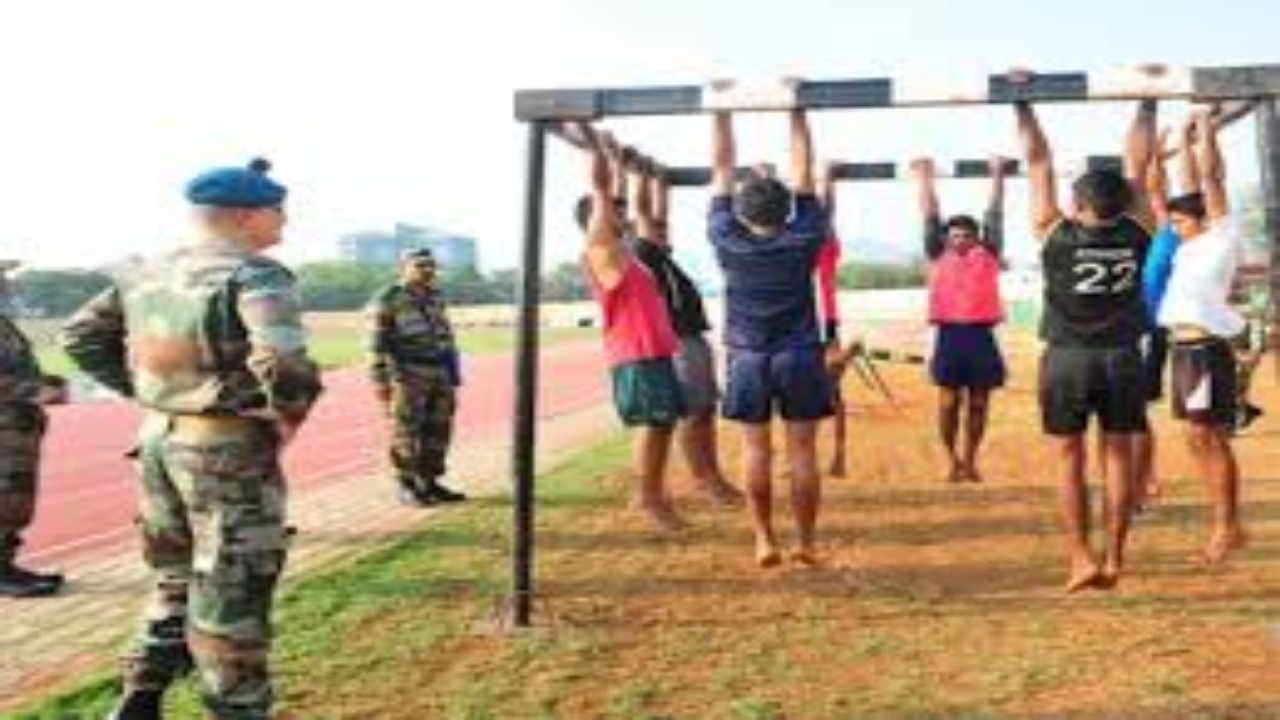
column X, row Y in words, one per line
column 1157, row 269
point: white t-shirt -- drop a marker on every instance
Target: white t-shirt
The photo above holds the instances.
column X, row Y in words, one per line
column 1204, row 269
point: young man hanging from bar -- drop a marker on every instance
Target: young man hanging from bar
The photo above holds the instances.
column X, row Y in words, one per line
column 694, row 360
column 836, row 356
column 638, row 337
column 964, row 308
column 766, row 238
column 1092, row 322
column 1196, row 311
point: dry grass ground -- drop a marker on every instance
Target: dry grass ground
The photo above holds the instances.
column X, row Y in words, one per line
column 936, row 600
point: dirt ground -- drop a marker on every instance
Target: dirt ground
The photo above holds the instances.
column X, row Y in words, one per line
column 936, row 600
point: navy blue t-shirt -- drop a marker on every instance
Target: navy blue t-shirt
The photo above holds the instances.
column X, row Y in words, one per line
column 769, row 300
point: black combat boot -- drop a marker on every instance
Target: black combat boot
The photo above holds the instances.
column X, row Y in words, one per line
column 441, row 494
column 413, row 494
column 20, row 582
column 139, row 704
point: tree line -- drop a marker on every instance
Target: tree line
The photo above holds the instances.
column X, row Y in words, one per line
column 340, row 285
column 323, row 286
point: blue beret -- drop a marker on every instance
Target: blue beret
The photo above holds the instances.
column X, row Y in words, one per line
column 416, row 254
column 237, row 187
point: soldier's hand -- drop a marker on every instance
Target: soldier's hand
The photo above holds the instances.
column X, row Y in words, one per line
column 53, row 391
column 286, row 432
column 52, row 395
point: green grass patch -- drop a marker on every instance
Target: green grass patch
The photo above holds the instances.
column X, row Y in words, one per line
column 342, row 629
column 335, row 347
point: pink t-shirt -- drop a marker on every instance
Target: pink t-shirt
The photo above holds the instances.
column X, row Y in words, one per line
column 964, row 287
column 636, row 324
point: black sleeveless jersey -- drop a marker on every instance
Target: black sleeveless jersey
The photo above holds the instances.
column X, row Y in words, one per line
column 1093, row 284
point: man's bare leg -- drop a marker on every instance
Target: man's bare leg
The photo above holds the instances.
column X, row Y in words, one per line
column 1118, row 504
column 1073, row 508
column 1212, row 449
column 839, row 466
column 1146, row 485
column 806, row 488
column 948, row 428
column 975, row 429
column 650, row 447
column 757, row 458
column 698, row 440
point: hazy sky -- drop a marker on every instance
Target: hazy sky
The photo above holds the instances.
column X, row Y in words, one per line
column 388, row 110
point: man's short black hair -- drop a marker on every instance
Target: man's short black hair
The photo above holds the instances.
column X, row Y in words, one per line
column 963, row 222
column 582, row 210
column 1105, row 192
column 763, row 202
column 1191, row 205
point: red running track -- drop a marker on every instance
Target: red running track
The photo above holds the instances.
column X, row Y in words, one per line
column 88, row 497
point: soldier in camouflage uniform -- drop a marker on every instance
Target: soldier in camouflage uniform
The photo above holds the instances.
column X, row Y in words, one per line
column 23, row 390
column 209, row 341
column 415, row 369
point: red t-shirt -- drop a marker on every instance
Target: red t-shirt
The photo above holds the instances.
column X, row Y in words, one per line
column 964, row 287
column 636, row 324
column 825, row 267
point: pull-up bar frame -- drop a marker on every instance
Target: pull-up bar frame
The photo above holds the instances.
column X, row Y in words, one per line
column 1205, row 85
column 1257, row 86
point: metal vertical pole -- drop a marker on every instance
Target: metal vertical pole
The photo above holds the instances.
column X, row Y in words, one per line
column 526, row 378
column 1268, row 124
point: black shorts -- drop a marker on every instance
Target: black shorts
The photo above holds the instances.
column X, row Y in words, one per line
column 1204, row 382
column 1076, row 382
column 1155, row 355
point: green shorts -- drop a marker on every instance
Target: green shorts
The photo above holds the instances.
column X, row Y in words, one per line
column 647, row 392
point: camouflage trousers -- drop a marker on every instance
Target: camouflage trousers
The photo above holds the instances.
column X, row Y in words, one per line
column 21, row 432
column 214, row 534
column 422, row 407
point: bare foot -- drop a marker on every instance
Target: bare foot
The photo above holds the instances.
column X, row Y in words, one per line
column 767, row 553
column 956, row 473
column 1221, row 545
column 805, row 557
column 1083, row 575
column 662, row 516
column 1107, row 579
column 838, row 469
column 972, row 474
column 722, row 493
column 1153, row 493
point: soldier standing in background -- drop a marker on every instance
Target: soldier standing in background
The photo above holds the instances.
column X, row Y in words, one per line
column 23, row 392
column 209, row 341
column 415, row 369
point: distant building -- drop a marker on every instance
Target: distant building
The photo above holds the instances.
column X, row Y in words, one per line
column 378, row 247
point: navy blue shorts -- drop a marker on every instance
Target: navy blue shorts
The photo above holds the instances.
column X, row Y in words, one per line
column 966, row 356
column 795, row 380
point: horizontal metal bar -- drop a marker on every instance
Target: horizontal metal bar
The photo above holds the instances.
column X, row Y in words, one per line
column 678, row 100
column 982, row 168
column 870, row 171
column 877, row 93
column 1235, row 83
column 1041, row 87
column 1213, row 84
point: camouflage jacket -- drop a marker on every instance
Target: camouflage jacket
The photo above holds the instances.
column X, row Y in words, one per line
column 408, row 329
column 20, row 376
column 208, row 330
